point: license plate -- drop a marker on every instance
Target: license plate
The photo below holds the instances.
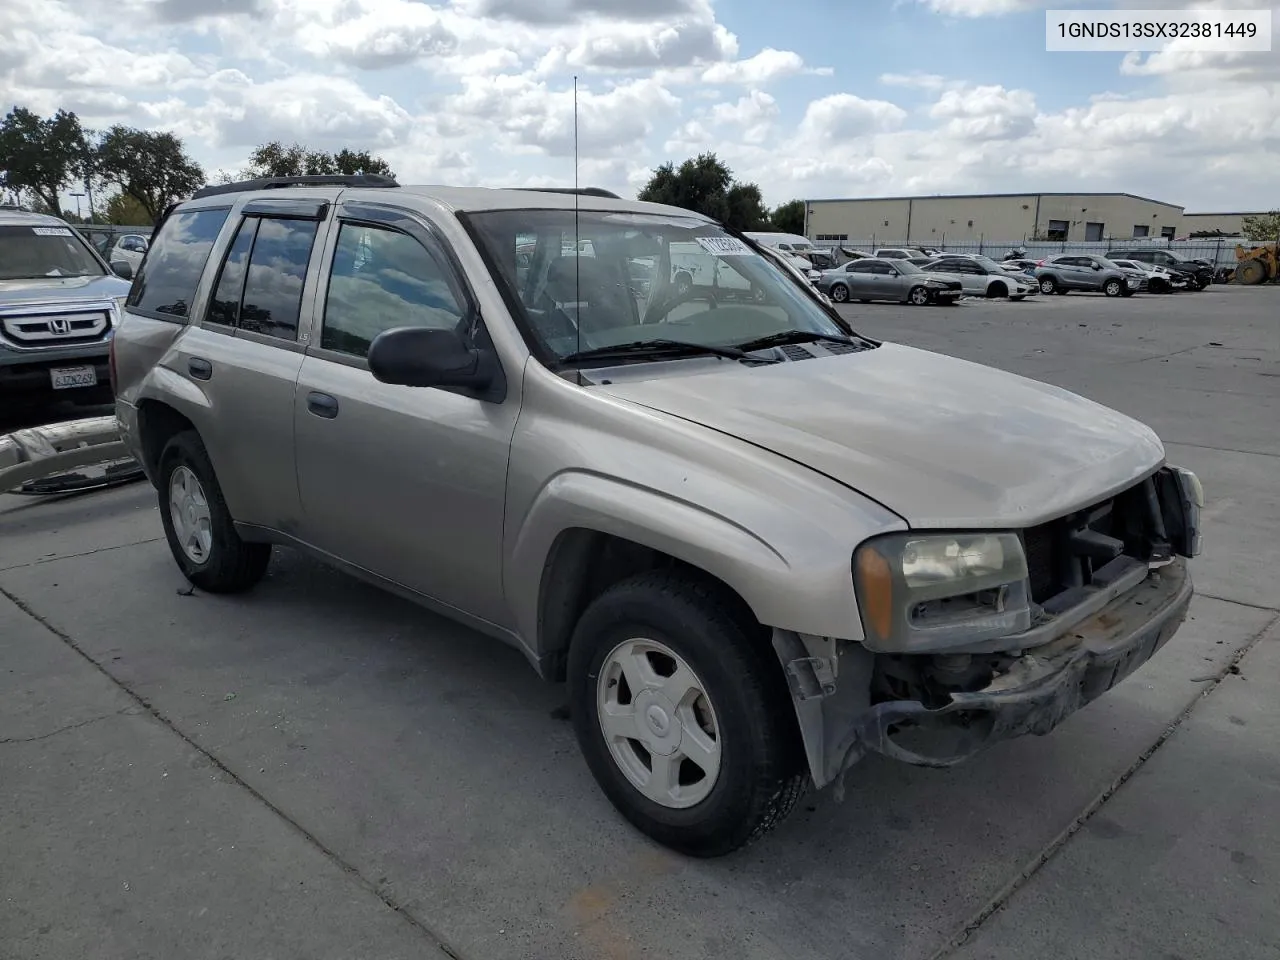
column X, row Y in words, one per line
column 67, row 378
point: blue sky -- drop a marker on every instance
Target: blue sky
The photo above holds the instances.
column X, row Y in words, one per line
column 809, row 99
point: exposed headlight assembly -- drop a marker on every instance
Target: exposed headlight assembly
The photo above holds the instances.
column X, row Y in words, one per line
column 931, row 592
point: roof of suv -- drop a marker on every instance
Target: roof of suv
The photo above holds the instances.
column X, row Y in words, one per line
column 9, row 217
column 457, row 199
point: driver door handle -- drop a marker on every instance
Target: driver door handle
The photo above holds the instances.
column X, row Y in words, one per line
column 322, row 405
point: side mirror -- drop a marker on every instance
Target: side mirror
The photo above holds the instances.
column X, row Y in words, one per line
column 122, row 269
column 424, row 357
column 1097, row 266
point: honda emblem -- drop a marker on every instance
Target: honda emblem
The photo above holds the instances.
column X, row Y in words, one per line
column 60, row 326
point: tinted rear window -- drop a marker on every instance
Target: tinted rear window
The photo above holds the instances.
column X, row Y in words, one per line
column 166, row 282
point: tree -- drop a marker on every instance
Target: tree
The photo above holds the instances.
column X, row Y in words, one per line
column 150, row 167
column 124, row 210
column 706, row 185
column 1264, row 228
column 42, row 156
column 789, row 218
column 276, row 159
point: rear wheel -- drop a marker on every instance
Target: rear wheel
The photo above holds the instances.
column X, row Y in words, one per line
column 197, row 524
column 1251, row 272
column 840, row 293
column 1048, row 285
column 683, row 716
column 918, row 296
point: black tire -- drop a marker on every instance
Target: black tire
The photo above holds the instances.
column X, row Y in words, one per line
column 1113, row 288
column 918, row 296
column 839, row 293
column 232, row 565
column 997, row 290
column 1048, row 285
column 762, row 772
column 684, row 283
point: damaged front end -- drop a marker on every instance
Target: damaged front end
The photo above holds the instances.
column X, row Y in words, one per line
column 975, row 638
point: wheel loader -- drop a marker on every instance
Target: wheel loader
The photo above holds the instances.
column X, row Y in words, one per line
column 1260, row 264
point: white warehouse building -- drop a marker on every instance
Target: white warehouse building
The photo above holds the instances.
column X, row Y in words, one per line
column 1003, row 218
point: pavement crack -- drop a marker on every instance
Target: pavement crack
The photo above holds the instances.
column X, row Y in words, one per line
column 1006, row 893
column 1205, row 446
column 437, row 939
column 72, row 556
column 1238, row 603
column 62, row 730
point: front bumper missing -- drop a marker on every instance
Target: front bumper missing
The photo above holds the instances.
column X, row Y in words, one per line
column 1043, row 687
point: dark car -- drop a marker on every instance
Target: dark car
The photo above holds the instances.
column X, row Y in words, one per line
column 1200, row 273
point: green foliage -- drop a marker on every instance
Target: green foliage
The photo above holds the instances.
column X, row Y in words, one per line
column 42, row 156
column 276, row 159
column 150, row 167
column 706, row 185
column 789, row 218
column 1262, row 228
column 124, row 210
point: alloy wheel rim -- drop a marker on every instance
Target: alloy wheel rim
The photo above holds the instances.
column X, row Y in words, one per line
column 658, row 723
column 189, row 512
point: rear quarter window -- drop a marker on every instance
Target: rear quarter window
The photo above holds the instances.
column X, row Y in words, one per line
column 166, row 281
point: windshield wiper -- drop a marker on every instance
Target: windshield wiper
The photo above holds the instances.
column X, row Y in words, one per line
column 795, row 336
column 642, row 349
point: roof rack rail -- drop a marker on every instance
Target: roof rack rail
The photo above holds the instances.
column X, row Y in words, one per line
column 319, row 180
column 581, row 191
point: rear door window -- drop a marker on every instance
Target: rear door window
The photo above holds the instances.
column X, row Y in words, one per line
column 272, row 299
column 166, row 282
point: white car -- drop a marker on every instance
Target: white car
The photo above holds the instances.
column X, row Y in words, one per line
column 983, row 277
column 1159, row 279
column 130, row 248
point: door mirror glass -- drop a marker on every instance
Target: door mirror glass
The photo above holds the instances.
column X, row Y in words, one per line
column 122, row 269
column 1097, row 266
column 426, row 357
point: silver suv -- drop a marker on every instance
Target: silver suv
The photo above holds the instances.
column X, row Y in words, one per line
column 755, row 544
column 59, row 303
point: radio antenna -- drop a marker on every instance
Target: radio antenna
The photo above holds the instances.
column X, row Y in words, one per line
column 577, row 239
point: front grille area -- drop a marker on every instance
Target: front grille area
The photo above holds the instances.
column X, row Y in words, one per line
column 1066, row 552
column 51, row 329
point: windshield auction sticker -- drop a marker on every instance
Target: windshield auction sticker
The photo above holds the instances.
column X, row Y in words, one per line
column 724, row 246
column 51, row 231
column 1128, row 31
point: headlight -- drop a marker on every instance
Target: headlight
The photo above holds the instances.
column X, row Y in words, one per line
column 118, row 313
column 926, row 593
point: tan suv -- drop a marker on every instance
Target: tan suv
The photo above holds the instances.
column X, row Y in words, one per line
column 755, row 544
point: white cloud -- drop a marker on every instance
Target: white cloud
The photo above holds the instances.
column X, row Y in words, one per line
column 986, row 113
column 844, row 116
column 920, row 81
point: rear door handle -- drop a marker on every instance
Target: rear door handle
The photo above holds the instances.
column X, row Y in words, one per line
column 322, row 405
column 199, row 368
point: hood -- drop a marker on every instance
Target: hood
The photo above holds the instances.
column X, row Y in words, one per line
column 942, row 442
column 54, row 289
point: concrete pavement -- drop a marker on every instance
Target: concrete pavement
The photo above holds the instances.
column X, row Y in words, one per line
column 414, row 777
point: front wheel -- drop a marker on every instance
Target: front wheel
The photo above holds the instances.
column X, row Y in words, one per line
column 1113, row 288
column 839, row 293
column 1048, row 285
column 997, row 290
column 197, row 524
column 918, row 296
column 683, row 715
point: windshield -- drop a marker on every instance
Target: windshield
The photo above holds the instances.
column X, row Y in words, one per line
column 29, row 252
column 640, row 277
column 988, row 263
column 906, row 266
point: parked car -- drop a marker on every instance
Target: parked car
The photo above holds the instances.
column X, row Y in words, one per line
column 983, row 277
column 131, row 248
column 1069, row 271
column 897, row 280
column 754, row 544
column 1159, row 279
column 1201, row 274
column 58, row 308
column 901, row 253
column 1024, row 266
